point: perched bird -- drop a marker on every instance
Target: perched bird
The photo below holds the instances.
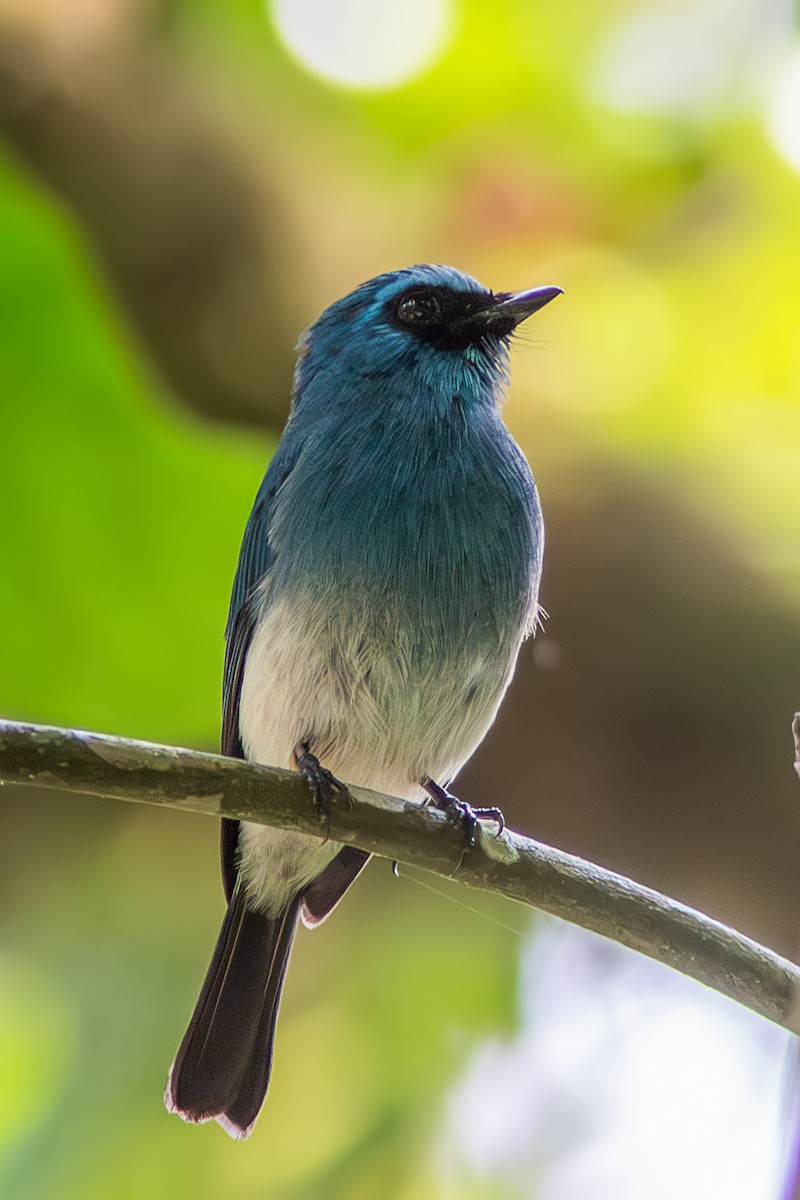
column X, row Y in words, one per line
column 389, row 572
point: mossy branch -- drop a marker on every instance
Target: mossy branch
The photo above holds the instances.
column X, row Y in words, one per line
column 558, row 883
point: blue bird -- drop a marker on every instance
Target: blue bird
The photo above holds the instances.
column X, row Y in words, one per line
column 388, row 574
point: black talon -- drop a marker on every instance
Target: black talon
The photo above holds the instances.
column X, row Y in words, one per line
column 468, row 817
column 320, row 780
column 491, row 814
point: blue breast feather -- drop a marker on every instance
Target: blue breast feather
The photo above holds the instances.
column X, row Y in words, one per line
column 426, row 507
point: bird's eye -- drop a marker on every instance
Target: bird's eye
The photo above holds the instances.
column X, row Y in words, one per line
column 420, row 308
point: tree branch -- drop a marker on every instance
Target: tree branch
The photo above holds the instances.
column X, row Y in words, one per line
column 514, row 866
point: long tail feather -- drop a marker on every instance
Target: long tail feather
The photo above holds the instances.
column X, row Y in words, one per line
column 324, row 893
column 223, row 1064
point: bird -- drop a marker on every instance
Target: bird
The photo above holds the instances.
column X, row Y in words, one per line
column 388, row 574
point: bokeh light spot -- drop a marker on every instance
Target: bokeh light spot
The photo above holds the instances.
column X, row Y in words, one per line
column 369, row 44
column 783, row 116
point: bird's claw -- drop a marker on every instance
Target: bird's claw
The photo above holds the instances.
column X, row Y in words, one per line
column 464, row 814
column 494, row 815
column 320, row 780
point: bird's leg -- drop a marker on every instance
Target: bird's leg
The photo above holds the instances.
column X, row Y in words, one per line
column 467, row 816
column 320, row 780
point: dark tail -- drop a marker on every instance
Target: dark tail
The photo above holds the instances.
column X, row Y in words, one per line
column 222, row 1067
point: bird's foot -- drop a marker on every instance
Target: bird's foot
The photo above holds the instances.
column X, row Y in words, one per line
column 465, row 815
column 322, row 782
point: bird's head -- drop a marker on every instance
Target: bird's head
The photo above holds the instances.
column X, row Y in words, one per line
column 429, row 327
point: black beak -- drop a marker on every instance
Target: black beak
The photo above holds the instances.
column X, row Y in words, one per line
column 495, row 316
column 512, row 310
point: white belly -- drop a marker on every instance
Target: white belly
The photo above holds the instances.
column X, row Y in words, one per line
column 368, row 713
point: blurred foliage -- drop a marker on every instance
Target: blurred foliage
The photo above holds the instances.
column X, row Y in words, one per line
column 118, row 510
column 178, row 197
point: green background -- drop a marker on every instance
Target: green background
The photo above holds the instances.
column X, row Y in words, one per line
column 177, row 200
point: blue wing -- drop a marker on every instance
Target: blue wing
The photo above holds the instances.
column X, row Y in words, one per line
column 255, row 558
